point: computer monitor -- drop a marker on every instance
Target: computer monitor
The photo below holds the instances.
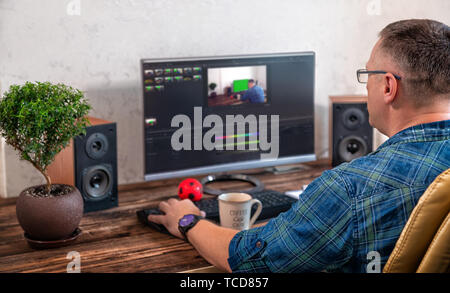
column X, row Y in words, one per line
column 240, row 85
column 198, row 118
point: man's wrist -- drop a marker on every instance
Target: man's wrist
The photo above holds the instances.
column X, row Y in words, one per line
column 187, row 223
column 194, row 229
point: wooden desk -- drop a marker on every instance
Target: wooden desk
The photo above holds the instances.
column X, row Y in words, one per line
column 114, row 241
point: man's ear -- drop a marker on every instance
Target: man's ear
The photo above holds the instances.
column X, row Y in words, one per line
column 390, row 88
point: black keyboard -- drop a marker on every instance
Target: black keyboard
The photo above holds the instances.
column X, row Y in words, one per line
column 273, row 203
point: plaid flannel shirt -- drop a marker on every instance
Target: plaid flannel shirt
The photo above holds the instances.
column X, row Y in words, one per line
column 349, row 211
column 254, row 95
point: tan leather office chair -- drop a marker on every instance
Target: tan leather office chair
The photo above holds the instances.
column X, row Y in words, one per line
column 424, row 244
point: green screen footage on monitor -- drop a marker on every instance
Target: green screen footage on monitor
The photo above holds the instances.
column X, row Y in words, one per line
column 232, row 83
column 240, row 85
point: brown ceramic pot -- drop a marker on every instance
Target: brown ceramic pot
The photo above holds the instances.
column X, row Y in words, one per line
column 49, row 218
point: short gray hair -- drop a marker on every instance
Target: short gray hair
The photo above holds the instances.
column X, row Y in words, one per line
column 421, row 48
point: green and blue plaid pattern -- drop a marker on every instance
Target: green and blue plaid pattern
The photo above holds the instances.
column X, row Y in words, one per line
column 349, row 211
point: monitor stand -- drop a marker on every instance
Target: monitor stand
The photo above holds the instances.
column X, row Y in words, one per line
column 258, row 185
column 287, row 169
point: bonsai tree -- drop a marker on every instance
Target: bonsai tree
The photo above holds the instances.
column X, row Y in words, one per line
column 212, row 86
column 39, row 119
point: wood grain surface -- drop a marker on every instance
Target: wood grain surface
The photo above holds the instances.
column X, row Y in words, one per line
column 113, row 240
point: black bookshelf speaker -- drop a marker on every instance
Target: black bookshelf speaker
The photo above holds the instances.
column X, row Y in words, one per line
column 351, row 135
column 89, row 163
column 96, row 166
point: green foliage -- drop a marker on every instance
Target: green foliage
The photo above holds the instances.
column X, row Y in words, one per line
column 212, row 85
column 39, row 119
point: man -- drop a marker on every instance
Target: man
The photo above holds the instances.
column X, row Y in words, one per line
column 361, row 206
column 254, row 94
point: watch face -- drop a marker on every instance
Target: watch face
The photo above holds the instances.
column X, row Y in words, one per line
column 186, row 220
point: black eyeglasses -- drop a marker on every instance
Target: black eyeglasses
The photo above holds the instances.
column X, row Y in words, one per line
column 363, row 74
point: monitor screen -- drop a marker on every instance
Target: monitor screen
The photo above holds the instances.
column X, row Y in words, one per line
column 215, row 114
column 240, row 85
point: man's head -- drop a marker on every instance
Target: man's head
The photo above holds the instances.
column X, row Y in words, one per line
column 251, row 83
column 418, row 51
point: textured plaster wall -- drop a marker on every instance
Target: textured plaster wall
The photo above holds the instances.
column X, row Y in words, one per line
column 2, row 170
column 96, row 46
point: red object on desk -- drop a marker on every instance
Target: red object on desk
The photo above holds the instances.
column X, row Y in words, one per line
column 190, row 188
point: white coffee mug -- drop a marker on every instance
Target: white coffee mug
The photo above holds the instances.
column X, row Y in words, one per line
column 235, row 210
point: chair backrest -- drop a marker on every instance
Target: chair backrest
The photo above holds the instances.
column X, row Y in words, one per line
column 437, row 258
column 424, row 244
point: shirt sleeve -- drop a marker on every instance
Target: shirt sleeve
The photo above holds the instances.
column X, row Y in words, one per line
column 246, row 95
column 313, row 236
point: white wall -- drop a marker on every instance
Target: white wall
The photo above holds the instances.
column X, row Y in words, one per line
column 98, row 51
column 2, row 169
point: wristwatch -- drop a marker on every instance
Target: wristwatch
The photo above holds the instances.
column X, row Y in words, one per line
column 187, row 222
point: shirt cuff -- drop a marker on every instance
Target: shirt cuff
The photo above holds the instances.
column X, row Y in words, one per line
column 243, row 246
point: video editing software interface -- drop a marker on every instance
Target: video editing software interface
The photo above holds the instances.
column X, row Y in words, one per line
column 247, row 85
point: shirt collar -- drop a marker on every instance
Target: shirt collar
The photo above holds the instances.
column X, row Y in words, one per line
column 438, row 130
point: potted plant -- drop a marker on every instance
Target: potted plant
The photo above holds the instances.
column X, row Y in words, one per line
column 212, row 86
column 39, row 120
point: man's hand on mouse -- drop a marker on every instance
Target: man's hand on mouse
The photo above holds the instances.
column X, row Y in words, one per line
column 174, row 210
